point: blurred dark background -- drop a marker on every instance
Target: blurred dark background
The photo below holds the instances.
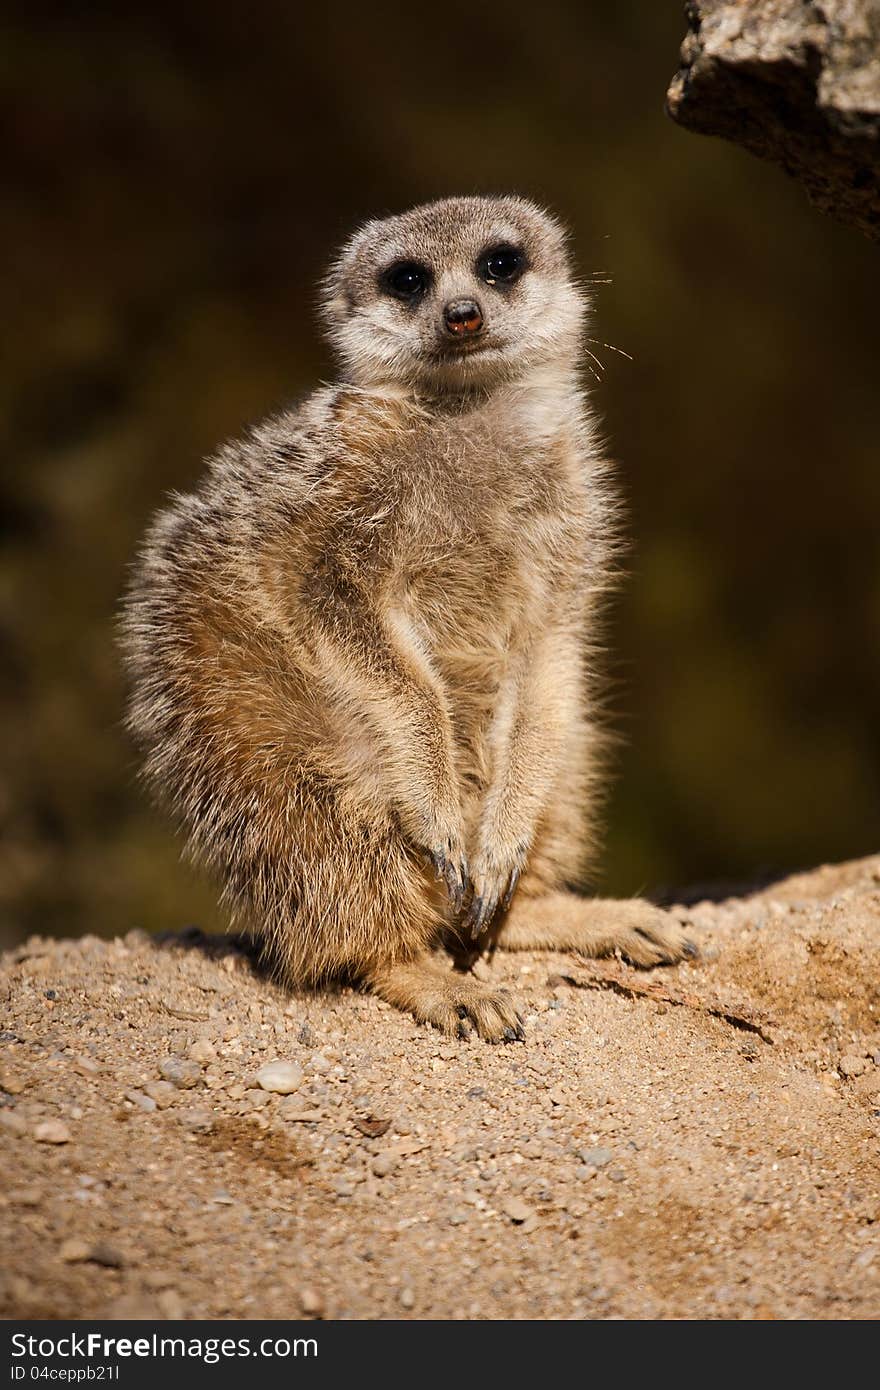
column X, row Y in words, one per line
column 174, row 180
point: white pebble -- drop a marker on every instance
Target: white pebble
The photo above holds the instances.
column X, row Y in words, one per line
column 281, row 1077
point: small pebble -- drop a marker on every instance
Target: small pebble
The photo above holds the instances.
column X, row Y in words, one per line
column 74, row 1250
column 311, row 1303
column 280, row 1077
column 12, row 1123
column 180, row 1072
column 203, row 1051
column 171, row 1303
column 26, row 1197
column 51, row 1132
column 384, row 1164
column 106, row 1255
column 595, row 1158
column 197, row 1121
column 162, row 1092
column 517, row 1210
column 851, row 1065
column 407, row 1297
column 142, row 1101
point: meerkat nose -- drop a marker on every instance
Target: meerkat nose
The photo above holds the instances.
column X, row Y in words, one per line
column 463, row 317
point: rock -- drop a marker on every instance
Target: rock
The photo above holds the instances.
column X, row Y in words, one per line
column 162, row 1092
column 142, row 1101
column 197, row 1121
column 384, row 1164
column 106, row 1255
column 52, row 1132
column 180, row 1072
column 171, row 1304
column 74, row 1250
column 868, row 1086
column 87, row 1066
column 616, row 1175
column 852, row 1065
column 796, row 82
column 293, row 1110
column 407, row 1297
column 203, row 1051
column 311, row 1303
column 256, row 1099
column 10, row 1083
column 12, row 1123
column 26, row 1197
column 595, row 1158
column 320, row 1064
column 281, row 1077
column 518, row 1210
column 372, row 1127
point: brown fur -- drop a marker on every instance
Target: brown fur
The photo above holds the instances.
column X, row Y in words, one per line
column 363, row 652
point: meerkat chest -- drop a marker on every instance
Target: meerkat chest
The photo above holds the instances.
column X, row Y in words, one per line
column 494, row 530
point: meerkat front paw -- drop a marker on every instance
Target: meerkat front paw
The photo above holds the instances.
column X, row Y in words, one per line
column 494, row 880
column 647, row 936
column 464, row 1007
column 456, row 1004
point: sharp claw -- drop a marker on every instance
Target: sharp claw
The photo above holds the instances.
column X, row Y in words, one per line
column 690, row 949
column 510, row 890
column 453, row 885
column 509, row 1035
column 476, row 917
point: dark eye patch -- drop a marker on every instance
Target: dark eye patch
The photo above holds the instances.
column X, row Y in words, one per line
column 501, row 265
column 406, row 280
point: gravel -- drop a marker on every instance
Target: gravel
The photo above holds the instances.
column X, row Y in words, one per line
column 629, row 1160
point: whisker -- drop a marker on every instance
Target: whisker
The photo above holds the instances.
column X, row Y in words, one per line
column 599, row 364
column 612, row 348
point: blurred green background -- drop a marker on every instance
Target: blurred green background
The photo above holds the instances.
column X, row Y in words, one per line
column 174, row 179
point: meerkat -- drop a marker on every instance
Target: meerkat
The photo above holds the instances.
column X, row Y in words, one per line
column 363, row 652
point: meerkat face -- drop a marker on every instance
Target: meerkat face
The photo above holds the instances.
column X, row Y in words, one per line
column 457, row 294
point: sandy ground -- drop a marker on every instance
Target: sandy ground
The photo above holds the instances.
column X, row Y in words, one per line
column 702, row 1142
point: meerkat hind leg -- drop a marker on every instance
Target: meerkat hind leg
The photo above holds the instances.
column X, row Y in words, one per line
column 596, row 927
column 457, row 1004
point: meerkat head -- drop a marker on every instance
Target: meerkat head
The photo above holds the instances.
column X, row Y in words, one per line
column 457, row 294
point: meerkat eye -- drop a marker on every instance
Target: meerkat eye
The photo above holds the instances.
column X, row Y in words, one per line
column 406, row 280
column 502, row 263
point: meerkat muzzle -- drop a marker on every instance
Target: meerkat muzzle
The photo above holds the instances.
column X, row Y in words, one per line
column 463, row 317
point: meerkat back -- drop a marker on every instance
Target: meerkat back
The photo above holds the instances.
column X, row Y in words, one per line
column 363, row 653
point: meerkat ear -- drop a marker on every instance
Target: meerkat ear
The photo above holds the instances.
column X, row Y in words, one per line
column 337, row 287
column 336, row 300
